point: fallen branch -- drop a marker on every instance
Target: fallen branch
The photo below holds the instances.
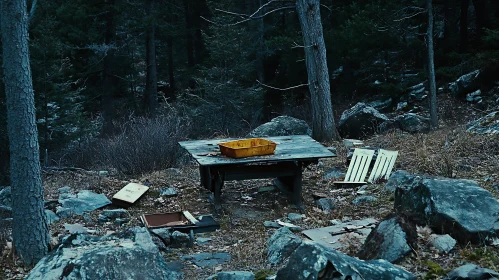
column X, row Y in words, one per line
column 283, row 89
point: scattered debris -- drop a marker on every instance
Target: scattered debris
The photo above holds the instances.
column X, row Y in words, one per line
column 168, row 192
column 338, row 236
column 84, row 201
column 208, row 259
column 129, row 194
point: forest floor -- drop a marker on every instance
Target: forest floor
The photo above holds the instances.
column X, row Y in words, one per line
column 443, row 152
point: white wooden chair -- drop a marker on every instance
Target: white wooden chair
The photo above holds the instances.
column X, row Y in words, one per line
column 359, row 165
column 383, row 166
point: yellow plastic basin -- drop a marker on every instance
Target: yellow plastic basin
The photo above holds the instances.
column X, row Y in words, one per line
column 247, row 147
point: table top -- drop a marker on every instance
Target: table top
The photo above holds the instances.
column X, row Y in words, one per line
column 289, row 148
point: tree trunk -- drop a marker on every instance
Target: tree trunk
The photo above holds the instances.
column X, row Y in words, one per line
column 29, row 227
column 431, row 68
column 108, row 87
column 189, row 39
column 323, row 125
column 450, row 26
column 259, row 47
column 151, row 95
column 463, row 26
column 481, row 16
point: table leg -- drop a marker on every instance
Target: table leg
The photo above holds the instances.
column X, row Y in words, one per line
column 206, row 178
column 297, row 188
column 218, row 183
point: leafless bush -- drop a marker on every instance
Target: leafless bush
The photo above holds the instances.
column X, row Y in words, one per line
column 144, row 145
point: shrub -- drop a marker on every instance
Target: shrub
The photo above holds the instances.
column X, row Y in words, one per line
column 144, row 145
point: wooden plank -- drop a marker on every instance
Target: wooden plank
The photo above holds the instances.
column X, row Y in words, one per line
column 383, row 165
column 359, row 165
column 130, row 193
column 189, row 217
column 289, row 148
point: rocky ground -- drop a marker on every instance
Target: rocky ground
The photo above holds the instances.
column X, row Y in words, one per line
column 450, row 152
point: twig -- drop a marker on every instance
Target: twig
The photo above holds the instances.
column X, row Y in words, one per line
column 410, row 16
column 283, row 89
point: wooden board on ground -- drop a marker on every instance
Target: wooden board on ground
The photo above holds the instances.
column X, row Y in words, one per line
column 340, row 235
column 129, row 194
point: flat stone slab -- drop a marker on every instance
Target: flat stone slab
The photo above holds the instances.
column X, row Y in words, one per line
column 208, row 259
column 333, row 237
column 84, row 201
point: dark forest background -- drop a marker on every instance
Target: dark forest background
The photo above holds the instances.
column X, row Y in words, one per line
column 110, row 74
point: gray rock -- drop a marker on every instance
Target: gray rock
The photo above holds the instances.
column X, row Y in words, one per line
column 102, row 219
column 121, row 221
column 103, row 173
column 360, row 121
column 401, row 106
column 281, row 245
column 75, row 228
column 382, row 105
column 457, row 207
column 270, row 224
column 312, row 261
column 488, row 124
column 232, row 275
column 65, row 189
column 417, row 92
column 474, row 97
column 6, row 197
column 465, row 84
column 203, row 240
column 163, row 233
column 168, row 192
column 443, row 243
column 208, row 259
column 127, row 255
column 180, row 240
column 51, row 216
column 333, row 174
column 391, row 240
column 84, row 201
column 413, row 123
column 326, row 204
column 471, row 272
column 397, row 178
column 64, row 212
column 5, row 212
column 364, row 199
column 267, row 189
column 295, row 217
column 282, row 126
column 175, row 266
column 115, row 213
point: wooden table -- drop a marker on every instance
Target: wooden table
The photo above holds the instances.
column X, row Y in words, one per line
column 291, row 156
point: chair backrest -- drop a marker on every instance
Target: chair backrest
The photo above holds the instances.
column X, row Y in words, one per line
column 383, row 165
column 359, row 165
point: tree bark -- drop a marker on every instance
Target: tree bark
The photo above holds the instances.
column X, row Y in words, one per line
column 463, row 26
column 431, row 68
column 108, row 87
column 323, row 125
column 151, row 95
column 450, row 25
column 189, row 37
column 481, row 17
column 260, row 47
column 29, row 227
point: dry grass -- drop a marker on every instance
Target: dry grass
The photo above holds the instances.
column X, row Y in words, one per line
column 242, row 234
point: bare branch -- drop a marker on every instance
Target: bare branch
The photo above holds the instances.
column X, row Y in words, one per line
column 410, row 16
column 295, row 46
column 253, row 15
column 282, row 89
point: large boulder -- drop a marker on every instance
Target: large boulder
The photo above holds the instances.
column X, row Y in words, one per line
column 84, row 201
column 313, row 261
column 471, row 272
column 382, row 105
column 488, row 124
column 281, row 245
column 465, row 84
column 412, row 123
column 360, row 121
column 233, row 275
column 397, row 178
column 391, row 240
column 282, row 126
column 456, row 207
column 127, row 255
